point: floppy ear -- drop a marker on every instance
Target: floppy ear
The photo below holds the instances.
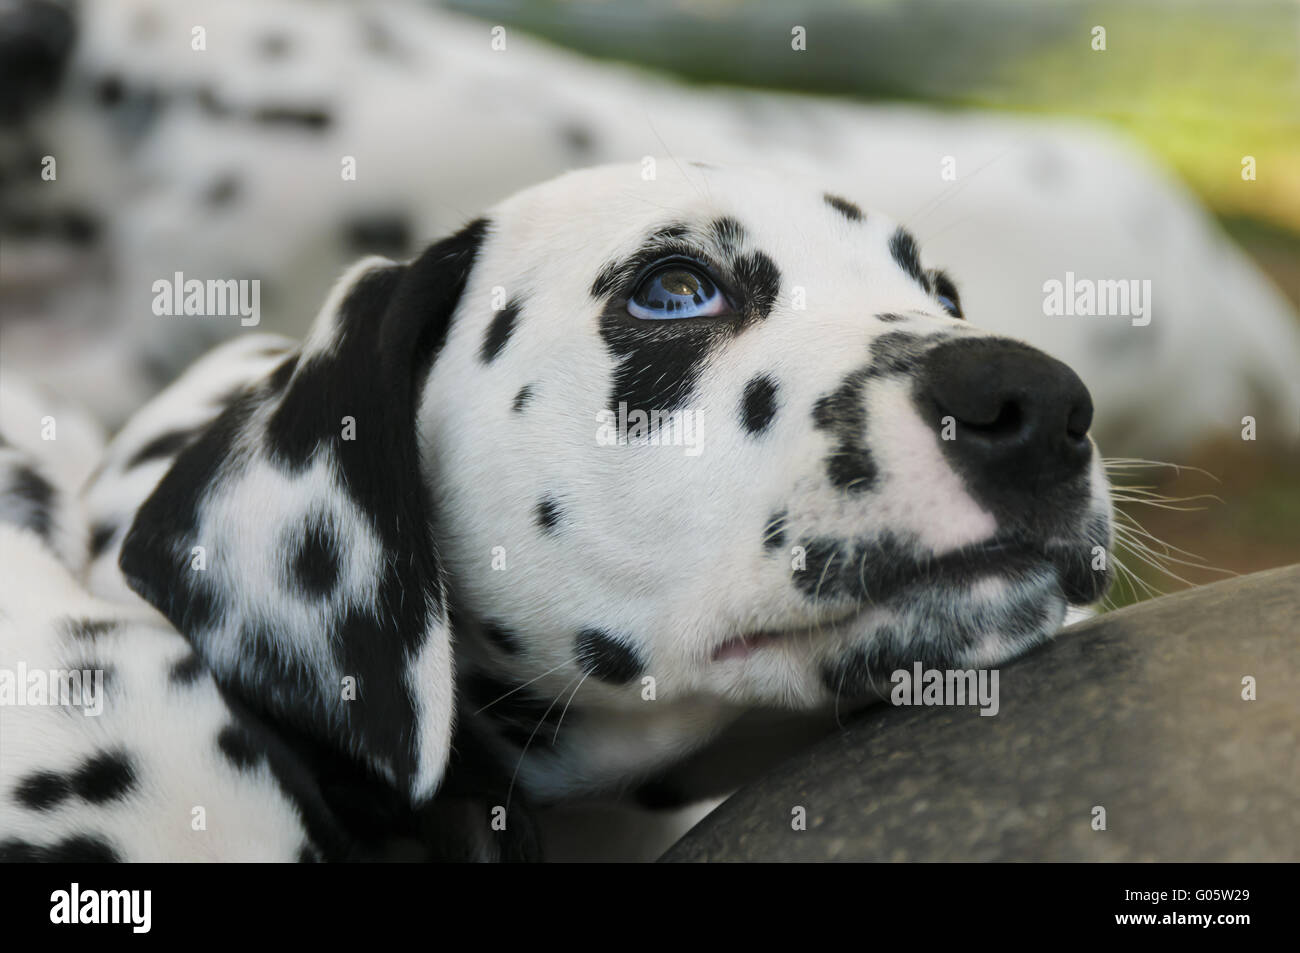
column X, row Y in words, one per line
column 291, row 541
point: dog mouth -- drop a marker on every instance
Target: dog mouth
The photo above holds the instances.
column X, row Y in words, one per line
column 1000, row 561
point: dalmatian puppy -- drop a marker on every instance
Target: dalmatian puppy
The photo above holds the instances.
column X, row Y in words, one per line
column 600, row 474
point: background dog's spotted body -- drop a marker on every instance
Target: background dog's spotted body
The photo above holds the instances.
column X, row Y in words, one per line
column 823, row 535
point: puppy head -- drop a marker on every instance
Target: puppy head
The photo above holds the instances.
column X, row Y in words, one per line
column 726, row 431
column 714, row 428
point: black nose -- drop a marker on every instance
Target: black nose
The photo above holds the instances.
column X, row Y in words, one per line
column 1018, row 417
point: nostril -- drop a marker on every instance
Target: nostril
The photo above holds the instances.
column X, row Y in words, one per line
column 1079, row 420
column 1007, row 422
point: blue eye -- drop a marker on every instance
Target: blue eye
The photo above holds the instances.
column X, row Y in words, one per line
column 677, row 291
column 949, row 305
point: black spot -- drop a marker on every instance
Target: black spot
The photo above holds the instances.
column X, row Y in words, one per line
column 78, row 228
column 34, row 496
column 274, row 46
column 902, row 246
column 105, row 777
column 603, row 656
column 309, row 120
column 844, row 207
column 548, row 514
column 316, row 558
column 42, row 790
column 578, row 138
column 758, row 406
column 522, row 398
column 221, row 191
column 81, row 849
column 890, row 318
column 501, row 637
column 761, row 280
column 186, row 670
column 164, row 445
column 774, row 532
column 382, row 234
column 110, row 90
column 101, row 536
column 238, row 747
column 210, row 103
column 499, row 331
column 87, row 630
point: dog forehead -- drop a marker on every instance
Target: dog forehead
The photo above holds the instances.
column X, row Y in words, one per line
column 620, row 203
column 571, row 227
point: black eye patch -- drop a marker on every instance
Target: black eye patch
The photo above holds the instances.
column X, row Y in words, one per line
column 658, row 362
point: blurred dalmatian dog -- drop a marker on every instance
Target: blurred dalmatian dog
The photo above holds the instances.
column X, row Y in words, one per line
column 247, row 138
column 430, row 518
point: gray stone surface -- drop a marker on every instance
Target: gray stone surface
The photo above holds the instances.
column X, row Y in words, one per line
column 1139, row 711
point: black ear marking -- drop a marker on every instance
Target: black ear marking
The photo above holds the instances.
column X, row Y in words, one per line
column 360, row 665
column 598, row 653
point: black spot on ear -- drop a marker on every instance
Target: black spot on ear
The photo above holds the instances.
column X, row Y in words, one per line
column 105, row 777
column 603, row 656
column 499, row 331
column 186, row 670
column 33, row 498
column 758, row 406
column 238, row 747
column 902, row 246
column 501, row 637
column 548, row 514
column 522, row 398
column 42, row 790
column 316, row 558
column 844, row 207
column 310, row 120
column 87, row 630
column 162, row 446
column 774, row 532
column 380, row 234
